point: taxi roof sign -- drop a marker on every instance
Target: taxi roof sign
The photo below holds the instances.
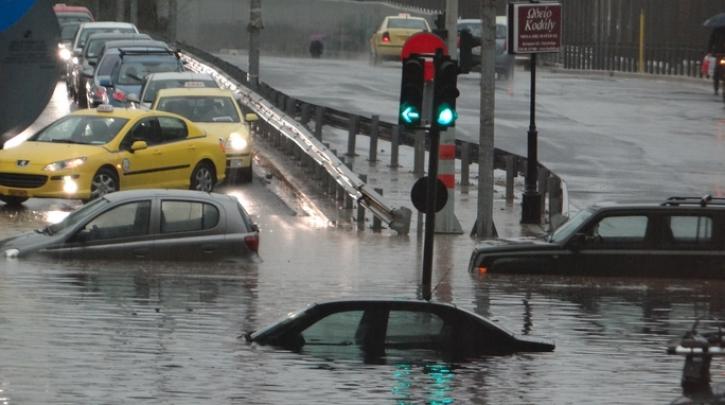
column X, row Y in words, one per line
column 194, row 84
column 105, row 108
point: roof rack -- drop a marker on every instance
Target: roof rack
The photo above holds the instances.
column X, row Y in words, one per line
column 704, row 201
column 141, row 51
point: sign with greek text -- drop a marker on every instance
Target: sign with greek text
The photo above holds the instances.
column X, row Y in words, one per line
column 534, row 27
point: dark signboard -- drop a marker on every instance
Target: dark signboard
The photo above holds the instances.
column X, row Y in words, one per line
column 534, row 27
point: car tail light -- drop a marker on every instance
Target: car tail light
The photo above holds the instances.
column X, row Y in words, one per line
column 386, row 37
column 252, row 242
column 119, row 95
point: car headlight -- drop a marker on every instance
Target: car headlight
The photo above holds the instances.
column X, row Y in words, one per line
column 65, row 164
column 75, row 60
column 237, row 142
column 64, row 54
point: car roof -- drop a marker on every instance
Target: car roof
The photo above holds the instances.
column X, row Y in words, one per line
column 133, row 43
column 119, row 112
column 106, row 24
column 179, row 76
column 171, row 193
column 382, row 301
column 674, row 202
column 120, row 35
column 194, row 91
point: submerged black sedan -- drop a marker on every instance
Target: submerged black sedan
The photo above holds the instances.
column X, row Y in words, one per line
column 146, row 224
column 381, row 328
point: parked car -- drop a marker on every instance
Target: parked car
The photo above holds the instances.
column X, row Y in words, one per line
column 98, row 94
column 154, row 82
column 147, row 224
column 81, row 13
column 88, row 60
column 387, row 42
column 90, row 153
column 79, row 42
column 681, row 237
column 377, row 328
column 504, row 60
column 215, row 111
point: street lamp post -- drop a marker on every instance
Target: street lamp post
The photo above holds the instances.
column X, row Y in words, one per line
column 531, row 202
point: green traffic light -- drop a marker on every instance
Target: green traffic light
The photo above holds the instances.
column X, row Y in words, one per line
column 409, row 114
column 446, row 115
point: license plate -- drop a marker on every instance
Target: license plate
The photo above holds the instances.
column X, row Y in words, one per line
column 235, row 163
column 18, row 193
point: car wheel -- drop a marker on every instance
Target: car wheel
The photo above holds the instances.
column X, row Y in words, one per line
column 13, row 201
column 105, row 181
column 202, row 178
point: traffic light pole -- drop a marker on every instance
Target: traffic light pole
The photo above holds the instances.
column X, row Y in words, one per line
column 430, row 215
column 531, row 203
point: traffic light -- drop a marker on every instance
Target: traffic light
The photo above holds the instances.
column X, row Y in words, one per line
column 445, row 92
column 411, row 92
column 466, row 45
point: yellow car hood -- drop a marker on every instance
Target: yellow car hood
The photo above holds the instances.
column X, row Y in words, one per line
column 222, row 130
column 40, row 154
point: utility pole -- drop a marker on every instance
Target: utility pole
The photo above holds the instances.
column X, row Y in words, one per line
column 484, row 224
column 254, row 28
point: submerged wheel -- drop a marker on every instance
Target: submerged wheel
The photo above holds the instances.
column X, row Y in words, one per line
column 202, row 178
column 104, row 182
column 13, row 201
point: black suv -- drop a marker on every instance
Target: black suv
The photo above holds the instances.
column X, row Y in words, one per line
column 680, row 237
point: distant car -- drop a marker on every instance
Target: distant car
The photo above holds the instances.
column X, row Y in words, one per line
column 154, row 82
column 97, row 93
column 215, row 111
column 387, row 42
column 377, row 328
column 90, row 153
column 504, row 60
column 682, row 237
column 88, row 61
column 146, row 224
column 62, row 9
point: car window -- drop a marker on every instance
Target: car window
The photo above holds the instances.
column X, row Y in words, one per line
column 201, row 108
column 335, row 329
column 690, row 229
column 473, row 28
column 108, row 64
column 68, row 31
column 88, row 130
column 187, row 216
column 570, row 226
column 147, row 130
column 414, row 329
column 87, row 32
column 134, row 68
column 632, row 227
column 77, row 216
column 152, row 87
column 172, row 129
column 407, row 23
column 124, row 221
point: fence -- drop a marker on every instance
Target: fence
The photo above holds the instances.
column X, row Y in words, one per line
column 552, row 188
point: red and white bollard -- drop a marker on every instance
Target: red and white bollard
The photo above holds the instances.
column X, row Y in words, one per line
column 446, row 221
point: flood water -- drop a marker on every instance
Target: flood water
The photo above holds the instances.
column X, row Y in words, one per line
column 100, row 332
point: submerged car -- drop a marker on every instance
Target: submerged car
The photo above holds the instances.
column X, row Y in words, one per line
column 146, row 224
column 89, row 153
column 215, row 111
column 377, row 328
column 681, row 237
column 387, row 42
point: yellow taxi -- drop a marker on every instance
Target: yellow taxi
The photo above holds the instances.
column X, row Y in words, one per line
column 388, row 40
column 89, row 153
column 215, row 111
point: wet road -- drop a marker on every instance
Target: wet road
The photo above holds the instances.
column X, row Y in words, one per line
column 101, row 332
column 608, row 137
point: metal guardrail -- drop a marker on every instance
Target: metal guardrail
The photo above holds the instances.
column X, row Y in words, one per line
column 280, row 105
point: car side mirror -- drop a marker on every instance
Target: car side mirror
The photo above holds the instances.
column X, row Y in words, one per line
column 106, row 83
column 251, row 117
column 138, row 145
column 133, row 98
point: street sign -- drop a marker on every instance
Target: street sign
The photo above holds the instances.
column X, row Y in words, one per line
column 534, row 27
column 419, row 194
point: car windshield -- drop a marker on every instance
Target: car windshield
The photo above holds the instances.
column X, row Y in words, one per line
column 570, row 226
column 407, row 23
column 95, row 45
column 76, row 216
column 81, row 129
column 87, row 32
column 133, row 69
column 201, row 109
column 152, row 87
column 68, row 31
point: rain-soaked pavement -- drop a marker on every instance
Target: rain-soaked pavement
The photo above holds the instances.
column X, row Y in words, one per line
column 120, row 332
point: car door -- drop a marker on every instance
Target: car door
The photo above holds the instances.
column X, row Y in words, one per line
column 179, row 152
column 615, row 244
column 416, row 332
column 688, row 245
column 190, row 230
column 341, row 334
column 142, row 168
column 121, row 232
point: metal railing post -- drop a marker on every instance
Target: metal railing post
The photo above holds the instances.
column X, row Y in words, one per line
column 351, row 136
column 394, row 147
column 319, row 121
column 374, row 138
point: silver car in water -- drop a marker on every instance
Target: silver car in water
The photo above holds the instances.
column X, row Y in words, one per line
column 147, row 224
